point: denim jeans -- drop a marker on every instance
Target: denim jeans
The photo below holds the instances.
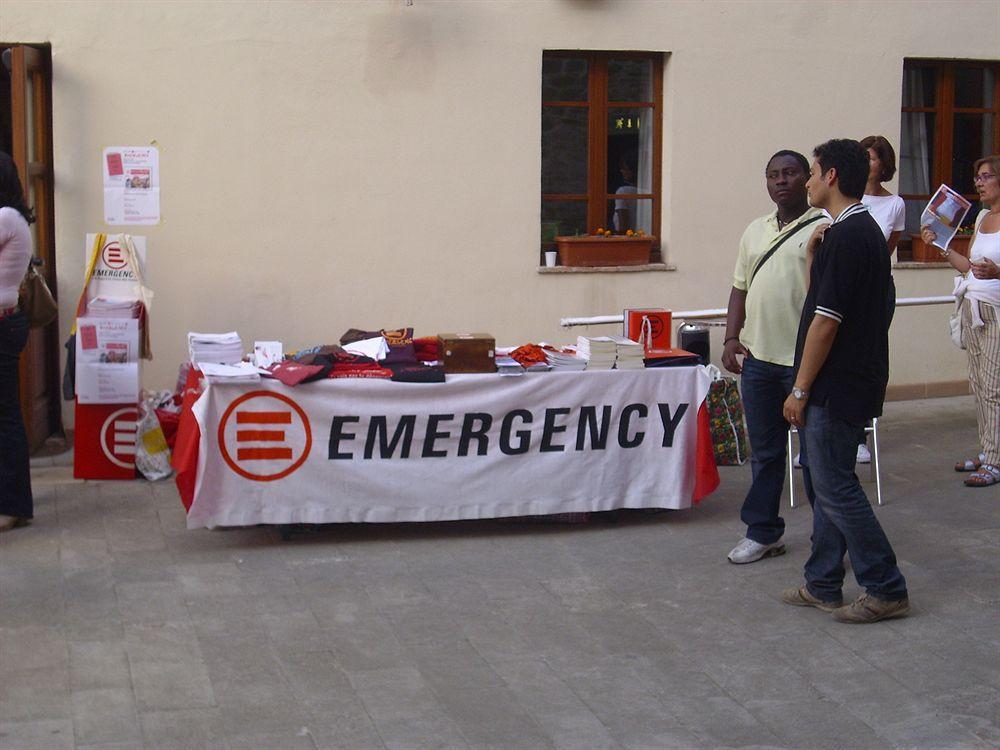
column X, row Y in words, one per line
column 15, row 479
column 843, row 519
column 765, row 387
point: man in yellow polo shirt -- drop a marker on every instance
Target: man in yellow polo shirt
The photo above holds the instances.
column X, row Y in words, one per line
column 765, row 305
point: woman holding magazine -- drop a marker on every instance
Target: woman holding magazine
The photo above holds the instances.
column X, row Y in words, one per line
column 979, row 288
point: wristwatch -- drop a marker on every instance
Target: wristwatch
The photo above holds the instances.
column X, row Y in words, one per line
column 799, row 394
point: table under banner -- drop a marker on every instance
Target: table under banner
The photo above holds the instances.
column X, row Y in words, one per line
column 476, row 446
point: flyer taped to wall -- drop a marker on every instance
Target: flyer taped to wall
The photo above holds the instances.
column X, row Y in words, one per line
column 944, row 214
column 131, row 185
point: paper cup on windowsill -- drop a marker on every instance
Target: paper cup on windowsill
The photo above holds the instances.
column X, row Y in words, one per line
column 550, row 258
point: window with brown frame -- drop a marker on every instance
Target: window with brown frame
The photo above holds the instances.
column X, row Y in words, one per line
column 950, row 118
column 602, row 131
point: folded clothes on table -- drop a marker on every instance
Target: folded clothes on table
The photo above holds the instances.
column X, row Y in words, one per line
column 417, row 373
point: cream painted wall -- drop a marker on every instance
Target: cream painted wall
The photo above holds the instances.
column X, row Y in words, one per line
column 327, row 165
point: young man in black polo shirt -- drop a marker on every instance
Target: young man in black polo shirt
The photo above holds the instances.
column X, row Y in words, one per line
column 842, row 367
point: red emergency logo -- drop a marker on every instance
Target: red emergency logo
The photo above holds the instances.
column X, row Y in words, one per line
column 655, row 326
column 118, row 437
column 113, row 256
column 264, row 436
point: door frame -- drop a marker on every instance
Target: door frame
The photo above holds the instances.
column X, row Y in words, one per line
column 32, row 152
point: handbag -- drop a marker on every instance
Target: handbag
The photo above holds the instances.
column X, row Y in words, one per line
column 35, row 299
column 726, row 422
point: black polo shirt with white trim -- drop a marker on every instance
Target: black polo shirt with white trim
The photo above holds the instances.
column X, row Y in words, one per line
column 849, row 283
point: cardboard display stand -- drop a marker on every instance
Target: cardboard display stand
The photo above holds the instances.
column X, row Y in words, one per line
column 104, row 441
column 108, row 351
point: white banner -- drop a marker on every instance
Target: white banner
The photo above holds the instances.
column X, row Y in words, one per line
column 477, row 446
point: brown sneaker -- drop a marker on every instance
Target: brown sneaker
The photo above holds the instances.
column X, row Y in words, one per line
column 867, row 608
column 801, row 597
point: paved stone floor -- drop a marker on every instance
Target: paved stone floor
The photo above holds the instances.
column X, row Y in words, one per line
column 120, row 629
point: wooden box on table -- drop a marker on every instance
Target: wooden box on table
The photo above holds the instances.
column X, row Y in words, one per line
column 467, row 352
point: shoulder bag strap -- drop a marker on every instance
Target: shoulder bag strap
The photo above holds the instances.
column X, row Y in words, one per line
column 779, row 243
column 95, row 252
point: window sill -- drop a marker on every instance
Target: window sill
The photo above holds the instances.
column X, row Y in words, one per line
column 907, row 265
column 607, row 269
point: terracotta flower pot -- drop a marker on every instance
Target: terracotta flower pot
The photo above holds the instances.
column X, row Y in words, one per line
column 924, row 253
column 593, row 250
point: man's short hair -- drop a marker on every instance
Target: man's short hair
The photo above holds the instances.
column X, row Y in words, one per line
column 851, row 162
column 803, row 161
column 881, row 146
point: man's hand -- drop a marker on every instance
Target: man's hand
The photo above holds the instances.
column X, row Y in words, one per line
column 732, row 350
column 795, row 411
column 816, row 238
column 985, row 269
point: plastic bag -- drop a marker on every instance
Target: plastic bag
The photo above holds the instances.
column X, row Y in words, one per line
column 152, row 454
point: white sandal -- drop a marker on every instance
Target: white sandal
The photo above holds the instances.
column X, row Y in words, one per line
column 971, row 464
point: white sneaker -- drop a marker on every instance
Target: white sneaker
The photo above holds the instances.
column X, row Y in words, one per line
column 795, row 462
column 748, row 551
column 864, row 455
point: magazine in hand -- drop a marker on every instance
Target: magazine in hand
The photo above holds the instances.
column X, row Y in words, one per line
column 944, row 214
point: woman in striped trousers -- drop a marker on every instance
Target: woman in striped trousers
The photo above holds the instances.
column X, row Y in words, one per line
column 980, row 283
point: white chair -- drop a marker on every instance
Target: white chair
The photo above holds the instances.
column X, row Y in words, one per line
column 876, row 473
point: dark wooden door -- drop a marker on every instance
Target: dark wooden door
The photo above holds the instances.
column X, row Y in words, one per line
column 30, row 108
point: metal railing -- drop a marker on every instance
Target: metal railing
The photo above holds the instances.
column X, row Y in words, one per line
column 721, row 312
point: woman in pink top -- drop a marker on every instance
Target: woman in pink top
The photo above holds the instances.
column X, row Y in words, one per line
column 16, row 506
column 979, row 286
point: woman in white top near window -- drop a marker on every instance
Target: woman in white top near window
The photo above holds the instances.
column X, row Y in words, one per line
column 15, row 252
column 889, row 211
column 980, row 285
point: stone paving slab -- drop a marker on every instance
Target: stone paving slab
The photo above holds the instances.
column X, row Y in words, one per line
column 122, row 630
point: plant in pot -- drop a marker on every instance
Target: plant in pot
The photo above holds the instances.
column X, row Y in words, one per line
column 604, row 248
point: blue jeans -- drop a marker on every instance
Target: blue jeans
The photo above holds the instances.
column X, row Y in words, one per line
column 15, row 479
column 765, row 387
column 843, row 519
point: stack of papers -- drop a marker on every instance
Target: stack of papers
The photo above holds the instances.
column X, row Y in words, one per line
column 565, row 360
column 216, row 348
column 599, row 351
column 507, row 365
column 630, row 353
column 113, row 307
column 244, row 372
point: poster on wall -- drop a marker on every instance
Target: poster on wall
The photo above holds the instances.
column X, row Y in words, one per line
column 131, row 185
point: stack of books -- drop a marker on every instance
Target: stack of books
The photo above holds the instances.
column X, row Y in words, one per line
column 244, row 372
column 565, row 360
column 629, row 354
column 113, row 307
column 216, row 348
column 599, row 351
column 507, row 365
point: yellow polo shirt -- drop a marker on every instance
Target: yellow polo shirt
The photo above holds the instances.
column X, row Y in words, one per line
column 774, row 300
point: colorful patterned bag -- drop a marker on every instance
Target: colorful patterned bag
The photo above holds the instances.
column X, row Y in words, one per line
column 725, row 413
